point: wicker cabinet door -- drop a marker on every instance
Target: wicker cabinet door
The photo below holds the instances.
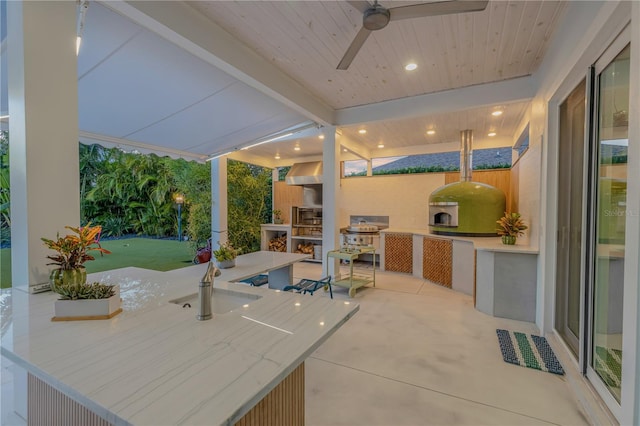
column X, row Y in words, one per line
column 398, row 252
column 437, row 260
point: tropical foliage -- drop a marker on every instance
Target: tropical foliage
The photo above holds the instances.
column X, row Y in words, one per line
column 511, row 224
column 129, row 193
column 249, row 199
column 193, row 181
column 94, row 290
column 416, row 169
column 226, row 251
column 73, row 249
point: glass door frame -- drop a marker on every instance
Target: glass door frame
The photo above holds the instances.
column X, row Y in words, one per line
column 618, row 45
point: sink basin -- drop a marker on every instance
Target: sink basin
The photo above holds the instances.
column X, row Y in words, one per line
column 223, row 300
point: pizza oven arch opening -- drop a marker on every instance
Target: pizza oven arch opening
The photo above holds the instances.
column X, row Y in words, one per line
column 443, row 214
column 442, row 219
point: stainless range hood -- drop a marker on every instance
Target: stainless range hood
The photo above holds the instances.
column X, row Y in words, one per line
column 305, row 173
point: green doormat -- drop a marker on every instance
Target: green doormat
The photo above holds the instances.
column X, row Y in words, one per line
column 608, row 364
column 528, row 351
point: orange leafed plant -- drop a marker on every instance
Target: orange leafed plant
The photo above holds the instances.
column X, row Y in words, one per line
column 73, row 249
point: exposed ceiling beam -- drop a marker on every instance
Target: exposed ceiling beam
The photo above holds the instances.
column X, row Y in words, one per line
column 184, row 26
column 499, row 93
column 356, row 148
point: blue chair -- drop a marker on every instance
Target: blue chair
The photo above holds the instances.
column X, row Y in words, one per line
column 309, row 286
column 257, row 281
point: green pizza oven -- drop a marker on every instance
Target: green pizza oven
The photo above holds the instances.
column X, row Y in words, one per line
column 466, row 208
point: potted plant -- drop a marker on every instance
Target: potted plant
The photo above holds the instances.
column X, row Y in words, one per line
column 72, row 252
column 510, row 227
column 225, row 255
column 277, row 216
column 87, row 301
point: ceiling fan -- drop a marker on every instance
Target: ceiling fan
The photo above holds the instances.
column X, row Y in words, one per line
column 376, row 17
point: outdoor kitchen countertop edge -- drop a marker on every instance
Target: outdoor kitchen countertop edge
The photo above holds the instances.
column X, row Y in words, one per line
column 479, row 243
column 154, row 363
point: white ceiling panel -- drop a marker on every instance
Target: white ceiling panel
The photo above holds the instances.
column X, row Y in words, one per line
column 105, row 32
column 149, row 90
column 411, row 132
column 143, row 82
column 234, row 116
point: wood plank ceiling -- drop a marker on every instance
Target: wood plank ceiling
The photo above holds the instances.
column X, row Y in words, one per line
column 306, row 40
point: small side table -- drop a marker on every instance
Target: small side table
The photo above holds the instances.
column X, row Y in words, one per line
column 360, row 278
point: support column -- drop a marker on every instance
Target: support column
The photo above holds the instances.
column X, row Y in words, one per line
column 219, row 206
column 330, row 188
column 43, row 124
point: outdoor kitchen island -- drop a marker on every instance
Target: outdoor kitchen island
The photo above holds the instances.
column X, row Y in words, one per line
column 155, row 364
column 502, row 278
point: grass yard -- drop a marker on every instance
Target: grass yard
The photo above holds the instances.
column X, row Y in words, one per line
column 159, row 255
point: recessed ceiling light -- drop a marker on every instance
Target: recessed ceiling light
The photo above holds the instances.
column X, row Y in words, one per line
column 345, row 150
column 431, row 132
column 380, row 145
column 321, row 137
column 296, row 148
column 496, row 113
column 491, row 134
column 362, row 131
column 277, row 157
column 411, row 66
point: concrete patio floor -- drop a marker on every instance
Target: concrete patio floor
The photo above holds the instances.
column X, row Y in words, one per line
column 420, row 354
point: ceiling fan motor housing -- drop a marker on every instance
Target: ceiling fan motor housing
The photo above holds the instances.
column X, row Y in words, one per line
column 376, row 18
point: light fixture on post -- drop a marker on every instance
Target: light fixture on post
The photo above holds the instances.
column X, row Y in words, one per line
column 83, row 5
column 179, row 199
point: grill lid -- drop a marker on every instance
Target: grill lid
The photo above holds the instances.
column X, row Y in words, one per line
column 363, row 227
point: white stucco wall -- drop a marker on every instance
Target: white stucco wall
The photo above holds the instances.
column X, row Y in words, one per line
column 404, row 198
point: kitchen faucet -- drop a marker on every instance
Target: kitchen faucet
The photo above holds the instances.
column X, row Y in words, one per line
column 205, row 292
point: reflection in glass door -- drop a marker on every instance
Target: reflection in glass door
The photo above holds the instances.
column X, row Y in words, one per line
column 608, row 237
column 570, row 212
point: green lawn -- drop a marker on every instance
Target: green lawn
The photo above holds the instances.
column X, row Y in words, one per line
column 160, row 255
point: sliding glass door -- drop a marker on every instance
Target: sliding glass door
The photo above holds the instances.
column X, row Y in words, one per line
column 569, row 254
column 607, row 233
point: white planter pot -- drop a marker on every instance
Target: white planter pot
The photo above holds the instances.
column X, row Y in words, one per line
column 226, row 264
column 67, row 310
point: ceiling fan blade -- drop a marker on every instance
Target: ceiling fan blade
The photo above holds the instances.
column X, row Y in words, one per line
column 361, row 5
column 438, row 8
column 354, row 48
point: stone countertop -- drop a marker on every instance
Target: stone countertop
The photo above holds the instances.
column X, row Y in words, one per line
column 480, row 243
column 154, row 363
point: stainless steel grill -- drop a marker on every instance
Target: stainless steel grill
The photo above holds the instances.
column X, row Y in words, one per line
column 364, row 231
